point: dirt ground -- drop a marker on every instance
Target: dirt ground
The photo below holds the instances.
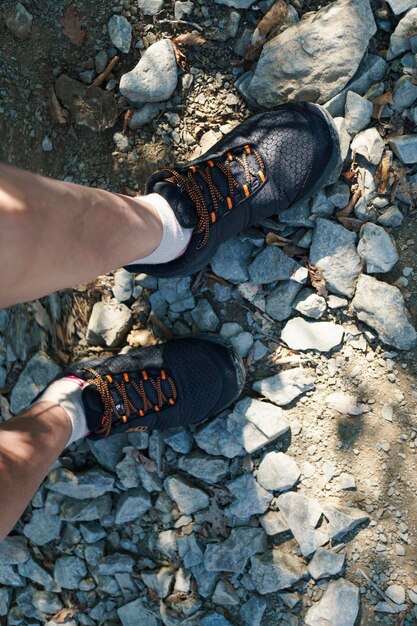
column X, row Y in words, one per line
column 386, row 481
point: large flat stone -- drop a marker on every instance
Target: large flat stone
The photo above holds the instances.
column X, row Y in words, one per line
column 382, row 307
column 333, row 251
column 286, row 386
column 271, row 265
column 294, row 65
column 339, row 605
column 250, row 497
column 275, row 570
column 233, row 554
column 299, row 334
column 303, row 515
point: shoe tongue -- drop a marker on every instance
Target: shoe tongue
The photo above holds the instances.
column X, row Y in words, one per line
column 93, row 407
column 180, row 203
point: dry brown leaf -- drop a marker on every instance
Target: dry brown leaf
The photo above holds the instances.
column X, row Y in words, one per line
column 273, row 18
column 189, row 39
column 348, row 209
column 266, row 29
column 153, row 596
column 317, row 280
column 63, row 615
column 351, row 223
column 149, row 465
column 127, row 118
column 272, row 239
column 382, row 174
column 217, row 279
column 59, row 114
column 72, row 26
column 160, row 326
column 349, row 174
column 379, row 102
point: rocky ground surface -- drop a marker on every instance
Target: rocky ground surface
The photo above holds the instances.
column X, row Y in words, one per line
column 297, row 505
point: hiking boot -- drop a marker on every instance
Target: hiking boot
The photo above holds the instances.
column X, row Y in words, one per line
column 173, row 384
column 264, row 166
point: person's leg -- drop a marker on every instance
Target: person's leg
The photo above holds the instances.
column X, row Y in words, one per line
column 29, row 444
column 54, row 235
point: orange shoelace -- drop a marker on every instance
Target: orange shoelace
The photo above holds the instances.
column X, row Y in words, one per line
column 190, row 185
column 102, row 384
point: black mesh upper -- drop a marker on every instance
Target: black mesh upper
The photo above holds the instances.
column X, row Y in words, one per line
column 204, row 373
column 299, row 148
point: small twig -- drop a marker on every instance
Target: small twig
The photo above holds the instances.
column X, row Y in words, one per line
column 193, row 24
column 351, row 204
column 378, row 590
column 102, row 77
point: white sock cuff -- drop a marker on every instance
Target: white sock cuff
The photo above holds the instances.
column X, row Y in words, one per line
column 175, row 238
column 67, row 393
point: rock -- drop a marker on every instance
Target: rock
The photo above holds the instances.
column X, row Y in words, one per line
column 302, row 516
column 5, row 600
column 216, row 619
column 381, row 306
column 233, row 554
column 253, row 611
column 30, row 569
column 286, row 386
column 242, row 343
column 123, row 285
column 86, row 510
column 274, row 523
column 347, row 481
column 342, row 519
column 178, row 439
column 89, row 484
column 333, row 251
column 404, row 95
column 358, row 112
column 279, row 301
column 69, row 571
column 250, row 497
column 131, row 505
column 405, row 147
column 384, row 607
column 144, row 115
column 299, row 334
column 150, row 7
column 232, row 260
column 36, row 375
column 182, row 10
column 400, row 39
column 129, row 614
column 338, row 194
column 115, row 563
column 188, row 499
column 298, row 214
column 237, row 4
column 19, row 21
column 253, row 424
column 377, row 249
column 327, row 611
column 326, row 563
column 109, row 323
column 400, row 6
column 205, row 317
column 278, row 472
column 396, row 593
column 275, row 570
column 293, row 65
column 13, row 550
column 344, row 137
column 345, row 403
column 371, row 70
column 159, row 581
column 143, row 83
column 310, row 304
column 391, row 217
column 370, row 144
column 270, row 265
column 207, row 468
column 47, row 144
column 90, row 106
column 215, row 439
column 120, row 32
column 43, row 527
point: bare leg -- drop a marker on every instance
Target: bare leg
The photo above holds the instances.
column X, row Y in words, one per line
column 54, row 235
column 29, row 444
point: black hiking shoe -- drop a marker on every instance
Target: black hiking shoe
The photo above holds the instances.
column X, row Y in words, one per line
column 265, row 165
column 169, row 385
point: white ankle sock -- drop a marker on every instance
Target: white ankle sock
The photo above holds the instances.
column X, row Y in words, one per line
column 67, row 393
column 175, row 238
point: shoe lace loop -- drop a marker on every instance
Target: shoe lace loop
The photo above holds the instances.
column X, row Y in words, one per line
column 190, row 185
column 103, row 383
